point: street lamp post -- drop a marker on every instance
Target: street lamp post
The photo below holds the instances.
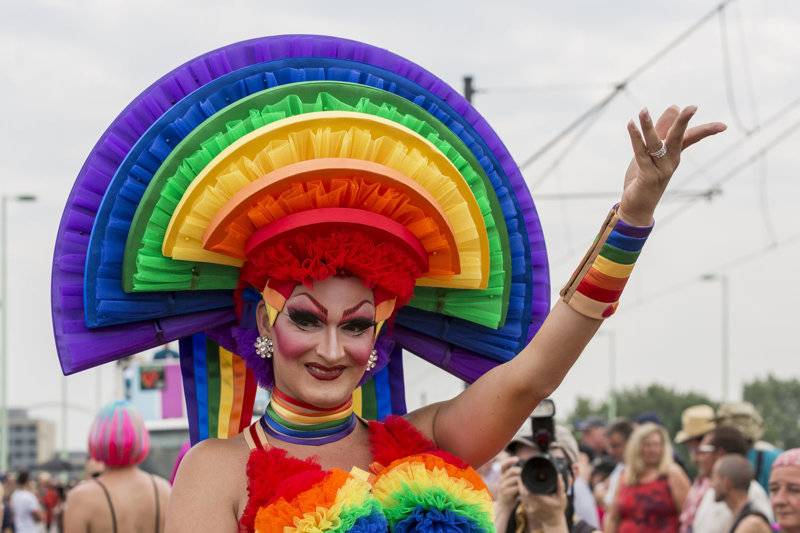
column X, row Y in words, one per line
column 612, row 373
column 4, row 199
column 725, row 330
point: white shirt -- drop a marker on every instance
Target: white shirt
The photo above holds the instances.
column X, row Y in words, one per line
column 613, row 483
column 583, row 500
column 23, row 504
column 716, row 517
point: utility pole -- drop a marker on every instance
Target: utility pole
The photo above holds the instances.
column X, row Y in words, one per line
column 724, row 330
column 4, row 200
column 469, row 89
column 612, row 372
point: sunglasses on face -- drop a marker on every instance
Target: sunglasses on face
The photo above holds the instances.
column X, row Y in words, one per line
column 706, row 448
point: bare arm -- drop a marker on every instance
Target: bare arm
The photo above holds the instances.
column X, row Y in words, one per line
column 678, row 486
column 164, row 490
column 77, row 511
column 498, row 403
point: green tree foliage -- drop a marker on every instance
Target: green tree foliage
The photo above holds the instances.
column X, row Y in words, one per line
column 666, row 402
column 778, row 401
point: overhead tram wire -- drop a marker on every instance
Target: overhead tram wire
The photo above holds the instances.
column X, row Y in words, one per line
column 762, row 173
column 704, row 194
column 774, row 143
column 722, row 155
column 715, row 186
column 571, row 146
column 731, row 264
column 727, row 72
column 619, row 87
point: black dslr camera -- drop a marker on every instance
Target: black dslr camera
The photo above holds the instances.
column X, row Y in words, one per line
column 540, row 472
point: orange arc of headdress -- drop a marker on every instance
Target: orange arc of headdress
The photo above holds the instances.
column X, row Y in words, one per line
column 257, row 205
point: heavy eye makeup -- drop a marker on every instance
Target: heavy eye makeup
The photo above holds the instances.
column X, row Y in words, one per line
column 357, row 325
column 304, row 318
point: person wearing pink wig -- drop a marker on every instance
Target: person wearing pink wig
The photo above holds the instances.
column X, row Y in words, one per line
column 123, row 498
column 784, row 490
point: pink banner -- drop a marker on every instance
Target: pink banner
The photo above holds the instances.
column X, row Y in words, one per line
column 172, row 393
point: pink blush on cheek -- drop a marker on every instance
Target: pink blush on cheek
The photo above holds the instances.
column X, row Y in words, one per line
column 293, row 344
column 359, row 350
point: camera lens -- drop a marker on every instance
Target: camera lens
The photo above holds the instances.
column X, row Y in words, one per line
column 540, row 475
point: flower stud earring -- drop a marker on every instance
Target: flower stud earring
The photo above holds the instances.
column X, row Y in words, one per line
column 264, row 347
column 373, row 360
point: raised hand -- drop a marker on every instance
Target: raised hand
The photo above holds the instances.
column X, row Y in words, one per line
column 657, row 152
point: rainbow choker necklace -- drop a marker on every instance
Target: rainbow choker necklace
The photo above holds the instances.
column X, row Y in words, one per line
column 297, row 422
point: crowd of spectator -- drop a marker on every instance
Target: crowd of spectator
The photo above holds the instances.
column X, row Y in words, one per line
column 624, row 476
column 627, row 477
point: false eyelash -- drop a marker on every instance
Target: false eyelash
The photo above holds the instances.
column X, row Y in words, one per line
column 358, row 325
column 304, row 319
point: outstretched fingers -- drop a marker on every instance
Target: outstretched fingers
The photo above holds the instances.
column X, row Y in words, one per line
column 666, row 120
column 698, row 133
column 643, row 159
column 676, row 132
column 651, row 138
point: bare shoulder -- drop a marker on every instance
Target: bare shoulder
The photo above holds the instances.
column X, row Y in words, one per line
column 214, row 457
column 210, row 487
column 753, row 524
column 162, row 484
column 83, row 492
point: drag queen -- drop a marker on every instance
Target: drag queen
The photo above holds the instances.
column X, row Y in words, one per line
column 296, row 204
column 319, row 344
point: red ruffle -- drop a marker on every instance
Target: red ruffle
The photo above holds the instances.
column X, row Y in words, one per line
column 273, row 474
column 396, row 438
column 306, row 258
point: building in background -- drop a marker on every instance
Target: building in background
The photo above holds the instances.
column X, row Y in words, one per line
column 31, row 441
column 152, row 383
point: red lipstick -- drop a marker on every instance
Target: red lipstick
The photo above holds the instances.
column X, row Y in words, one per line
column 324, row 373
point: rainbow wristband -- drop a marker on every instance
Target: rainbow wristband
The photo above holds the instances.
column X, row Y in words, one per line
column 596, row 285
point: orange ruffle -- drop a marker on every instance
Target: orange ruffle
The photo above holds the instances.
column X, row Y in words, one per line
column 282, row 513
column 432, row 461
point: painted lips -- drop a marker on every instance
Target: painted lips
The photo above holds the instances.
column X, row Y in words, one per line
column 324, row 373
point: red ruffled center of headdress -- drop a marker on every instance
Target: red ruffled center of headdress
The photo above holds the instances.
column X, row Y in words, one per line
column 383, row 266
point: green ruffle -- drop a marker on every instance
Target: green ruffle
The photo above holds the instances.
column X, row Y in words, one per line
column 406, row 500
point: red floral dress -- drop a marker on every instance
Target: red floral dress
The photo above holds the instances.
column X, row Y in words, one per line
column 647, row 508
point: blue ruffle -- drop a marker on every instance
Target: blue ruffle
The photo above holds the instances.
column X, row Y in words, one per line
column 436, row 521
column 373, row 523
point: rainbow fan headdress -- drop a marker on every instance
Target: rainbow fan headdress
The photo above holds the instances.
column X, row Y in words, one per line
column 269, row 136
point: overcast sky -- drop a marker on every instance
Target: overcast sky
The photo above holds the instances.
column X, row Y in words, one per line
column 68, row 68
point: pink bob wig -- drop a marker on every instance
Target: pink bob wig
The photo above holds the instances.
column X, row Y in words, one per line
column 118, row 436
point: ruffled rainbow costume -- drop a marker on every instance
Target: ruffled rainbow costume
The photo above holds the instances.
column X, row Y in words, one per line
column 412, row 487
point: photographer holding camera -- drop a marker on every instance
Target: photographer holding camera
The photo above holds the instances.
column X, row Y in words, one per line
column 537, row 491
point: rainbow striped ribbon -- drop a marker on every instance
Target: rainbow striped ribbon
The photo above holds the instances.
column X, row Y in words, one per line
column 219, row 389
column 596, row 286
column 291, row 420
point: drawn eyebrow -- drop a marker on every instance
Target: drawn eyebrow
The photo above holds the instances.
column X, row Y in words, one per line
column 319, row 306
column 350, row 311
